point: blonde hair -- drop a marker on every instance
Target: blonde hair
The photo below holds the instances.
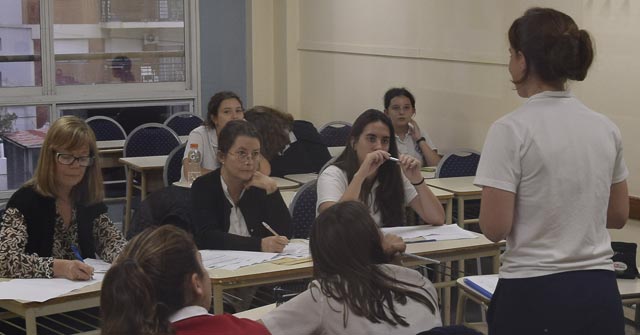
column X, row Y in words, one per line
column 69, row 133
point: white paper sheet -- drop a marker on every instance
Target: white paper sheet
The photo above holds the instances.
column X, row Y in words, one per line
column 235, row 259
column 438, row 233
column 40, row 289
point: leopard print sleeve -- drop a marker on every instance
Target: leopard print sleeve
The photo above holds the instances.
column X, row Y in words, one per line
column 109, row 240
column 14, row 262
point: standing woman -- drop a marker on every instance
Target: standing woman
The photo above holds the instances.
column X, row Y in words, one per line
column 355, row 290
column 553, row 181
column 159, row 286
column 58, row 210
column 231, row 203
column 364, row 172
column 400, row 106
column 222, row 108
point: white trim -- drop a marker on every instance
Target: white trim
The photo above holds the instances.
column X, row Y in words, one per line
column 188, row 312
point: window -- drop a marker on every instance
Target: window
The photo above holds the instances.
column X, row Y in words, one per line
column 20, row 48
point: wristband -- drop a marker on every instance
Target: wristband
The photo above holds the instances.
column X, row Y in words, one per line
column 418, row 183
column 420, row 140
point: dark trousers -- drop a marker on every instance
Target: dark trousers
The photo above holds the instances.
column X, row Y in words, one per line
column 568, row 303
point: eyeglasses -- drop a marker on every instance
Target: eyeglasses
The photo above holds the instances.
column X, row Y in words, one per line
column 243, row 156
column 68, row 159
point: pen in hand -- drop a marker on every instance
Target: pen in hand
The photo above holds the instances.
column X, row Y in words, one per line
column 268, row 227
column 78, row 256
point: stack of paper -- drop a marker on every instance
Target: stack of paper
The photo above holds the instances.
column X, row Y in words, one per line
column 295, row 249
column 41, row 289
column 233, row 259
column 484, row 285
column 438, row 233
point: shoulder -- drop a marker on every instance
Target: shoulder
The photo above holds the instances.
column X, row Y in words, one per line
column 209, row 182
column 305, row 130
column 333, row 171
column 26, row 196
column 403, row 273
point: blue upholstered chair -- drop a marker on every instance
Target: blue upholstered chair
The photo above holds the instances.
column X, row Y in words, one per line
column 183, row 123
column 150, row 139
column 173, row 167
column 335, row 133
column 460, row 163
column 106, row 128
column 303, row 209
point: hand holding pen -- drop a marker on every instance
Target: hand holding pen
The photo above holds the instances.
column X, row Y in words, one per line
column 78, row 270
column 275, row 243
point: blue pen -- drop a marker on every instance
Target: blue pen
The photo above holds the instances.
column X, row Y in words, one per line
column 76, row 252
column 419, row 241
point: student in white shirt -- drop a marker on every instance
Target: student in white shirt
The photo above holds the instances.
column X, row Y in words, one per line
column 553, row 181
column 355, row 290
column 400, row 106
column 222, row 108
column 364, row 172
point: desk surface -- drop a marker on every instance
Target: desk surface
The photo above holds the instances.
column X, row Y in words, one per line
column 457, row 185
column 144, row 162
column 288, row 196
column 302, row 178
column 440, row 193
column 285, row 183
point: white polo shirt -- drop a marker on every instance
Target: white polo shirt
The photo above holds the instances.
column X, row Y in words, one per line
column 409, row 147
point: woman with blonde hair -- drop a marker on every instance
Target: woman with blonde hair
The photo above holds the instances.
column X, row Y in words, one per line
column 58, row 216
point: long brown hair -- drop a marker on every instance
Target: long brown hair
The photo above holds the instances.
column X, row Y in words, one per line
column 346, row 248
column 69, row 133
column 389, row 199
column 273, row 126
column 148, row 282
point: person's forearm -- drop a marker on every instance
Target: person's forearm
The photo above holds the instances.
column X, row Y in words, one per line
column 353, row 189
column 430, row 156
column 431, row 209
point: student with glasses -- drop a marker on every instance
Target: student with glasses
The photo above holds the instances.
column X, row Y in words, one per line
column 365, row 172
column 232, row 202
column 59, row 211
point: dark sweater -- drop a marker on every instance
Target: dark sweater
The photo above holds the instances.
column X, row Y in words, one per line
column 211, row 210
column 306, row 155
column 39, row 214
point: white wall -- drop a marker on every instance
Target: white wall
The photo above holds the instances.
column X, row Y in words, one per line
column 342, row 55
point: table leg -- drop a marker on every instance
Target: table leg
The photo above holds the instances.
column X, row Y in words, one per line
column 216, row 292
column 460, row 211
column 30, row 322
column 127, row 209
column 143, row 185
column 447, row 295
column 449, row 211
column 460, row 307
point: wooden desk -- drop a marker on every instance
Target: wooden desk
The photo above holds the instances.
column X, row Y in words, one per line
column 302, row 178
column 268, row 273
column 285, row 183
column 150, row 169
column 462, row 189
column 288, row 196
column 446, row 198
column 109, row 152
column 86, row 297
column 335, row 151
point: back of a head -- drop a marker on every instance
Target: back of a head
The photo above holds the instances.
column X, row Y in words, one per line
column 555, row 49
column 344, row 240
column 144, row 286
column 273, row 126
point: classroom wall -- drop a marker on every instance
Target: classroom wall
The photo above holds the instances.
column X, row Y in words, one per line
column 333, row 59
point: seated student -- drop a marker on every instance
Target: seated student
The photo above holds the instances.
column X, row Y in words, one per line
column 222, row 108
column 400, row 106
column 289, row 146
column 231, row 203
column 159, row 286
column 365, row 172
column 355, row 290
column 59, row 209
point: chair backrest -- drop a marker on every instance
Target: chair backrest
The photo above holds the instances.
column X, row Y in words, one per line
column 167, row 205
column 303, row 209
column 183, row 123
column 335, row 133
column 173, row 166
column 106, row 128
column 150, row 139
column 459, row 163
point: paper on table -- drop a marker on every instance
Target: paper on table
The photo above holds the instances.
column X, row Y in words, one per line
column 99, row 266
column 41, row 289
column 296, row 248
column 438, row 233
column 235, row 259
column 485, row 284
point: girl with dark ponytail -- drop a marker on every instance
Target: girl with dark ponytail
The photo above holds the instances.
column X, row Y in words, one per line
column 159, row 286
column 553, row 181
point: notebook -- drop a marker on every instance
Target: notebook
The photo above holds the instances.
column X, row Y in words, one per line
column 484, row 285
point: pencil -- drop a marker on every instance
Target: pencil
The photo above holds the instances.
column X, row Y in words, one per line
column 419, row 241
column 266, row 225
column 430, row 260
column 393, row 159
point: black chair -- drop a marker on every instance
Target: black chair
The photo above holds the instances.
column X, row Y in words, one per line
column 303, row 209
column 183, row 123
column 150, row 139
column 106, row 128
column 170, row 205
column 460, row 163
column 173, row 167
column 335, row 133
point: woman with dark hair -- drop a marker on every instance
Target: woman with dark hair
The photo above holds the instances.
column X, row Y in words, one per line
column 369, row 170
column 289, row 146
column 59, row 209
column 400, row 106
column 553, row 181
column 231, row 203
column 159, row 286
column 222, row 108
column 355, row 290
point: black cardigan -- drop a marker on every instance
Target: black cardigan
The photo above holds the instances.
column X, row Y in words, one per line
column 307, row 154
column 211, row 210
column 39, row 213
